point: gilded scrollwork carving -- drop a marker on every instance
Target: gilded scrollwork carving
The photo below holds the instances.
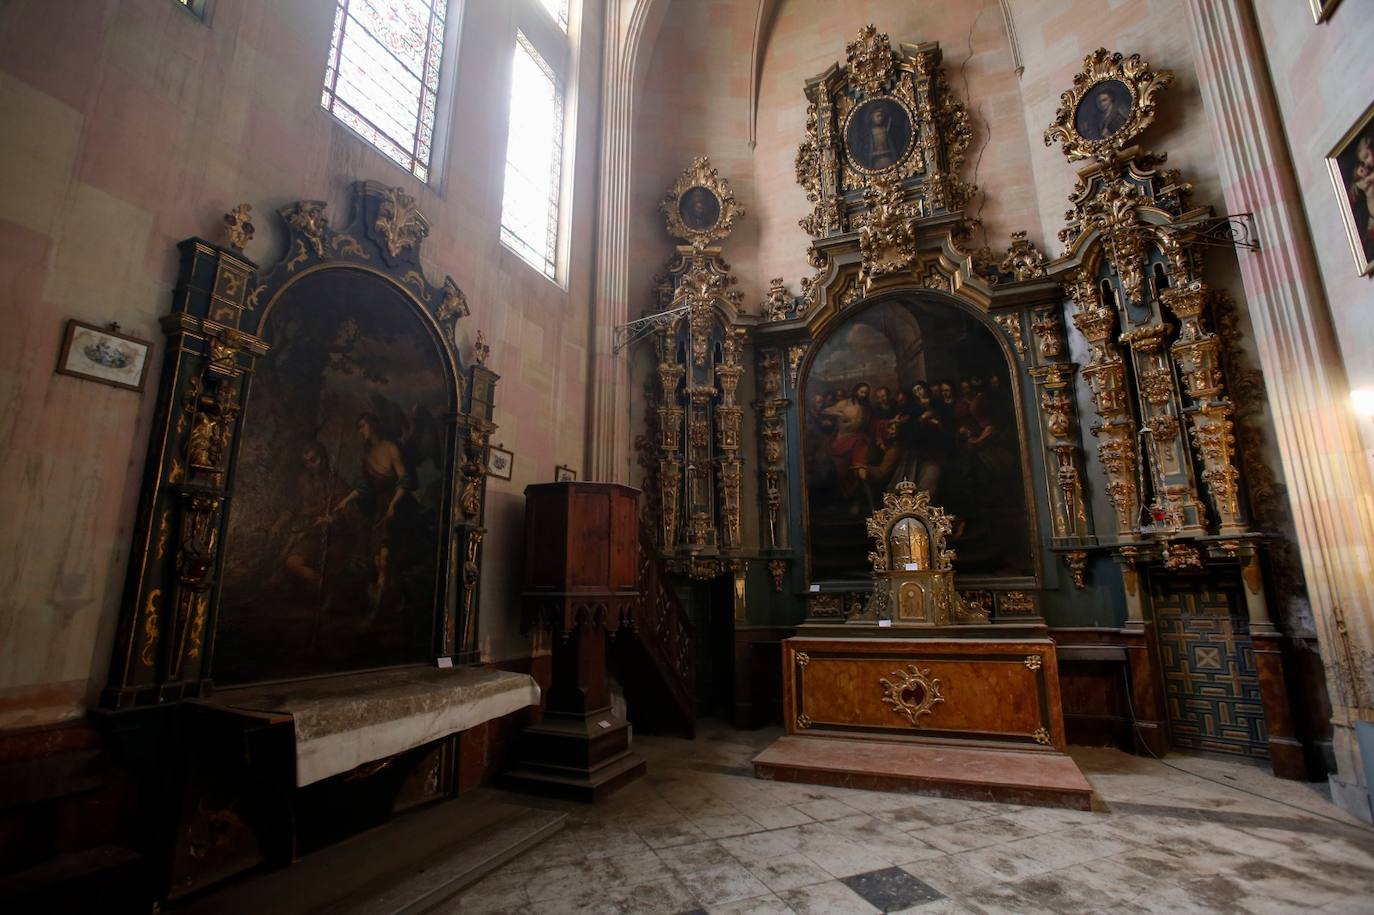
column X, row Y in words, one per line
column 912, row 693
column 1011, row 324
column 1023, row 260
column 238, row 226
column 399, row 223
column 307, row 220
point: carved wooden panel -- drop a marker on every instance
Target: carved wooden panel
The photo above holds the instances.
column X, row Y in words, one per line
column 1004, row 692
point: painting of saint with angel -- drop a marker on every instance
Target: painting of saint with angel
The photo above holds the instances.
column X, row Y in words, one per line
column 333, row 552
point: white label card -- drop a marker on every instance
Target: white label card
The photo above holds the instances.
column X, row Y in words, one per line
column 815, row 589
column 884, row 624
column 603, row 724
column 910, row 567
column 445, row 662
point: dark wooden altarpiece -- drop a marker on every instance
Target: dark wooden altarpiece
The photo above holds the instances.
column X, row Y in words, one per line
column 312, row 504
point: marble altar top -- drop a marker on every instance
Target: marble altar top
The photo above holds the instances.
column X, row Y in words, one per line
column 345, row 721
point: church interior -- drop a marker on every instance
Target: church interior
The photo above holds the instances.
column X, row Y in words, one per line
column 676, row 456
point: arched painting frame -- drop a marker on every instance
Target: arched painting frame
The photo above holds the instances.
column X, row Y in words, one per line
column 968, row 450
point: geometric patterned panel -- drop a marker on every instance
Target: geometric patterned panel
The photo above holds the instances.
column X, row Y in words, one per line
column 1210, row 684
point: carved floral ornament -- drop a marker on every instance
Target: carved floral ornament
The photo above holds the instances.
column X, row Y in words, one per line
column 701, row 207
column 1112, row 101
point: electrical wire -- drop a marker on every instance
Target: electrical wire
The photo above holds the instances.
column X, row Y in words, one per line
column 1135, row 723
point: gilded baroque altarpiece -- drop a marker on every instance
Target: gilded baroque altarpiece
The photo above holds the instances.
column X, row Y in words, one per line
column 1142, row 427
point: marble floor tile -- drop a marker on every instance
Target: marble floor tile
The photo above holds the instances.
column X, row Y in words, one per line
column 825, row 809
column 776, row 817
column 758, row 905
column 720, row 827
column 833, row 898
column 669, row 834
column 788, row 873
column 726, row 883
column 892, row 889
column 699, row 856
column 971, row 834
column 1004, row 863
column 765, row 846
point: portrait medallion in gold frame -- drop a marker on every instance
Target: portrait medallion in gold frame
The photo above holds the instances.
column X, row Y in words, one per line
column 701, row 207
column 1110, row 104
column 878, row 134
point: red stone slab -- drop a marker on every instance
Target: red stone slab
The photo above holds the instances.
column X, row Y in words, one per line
column 1007, row 776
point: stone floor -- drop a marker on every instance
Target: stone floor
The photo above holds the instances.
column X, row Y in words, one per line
column 699, row 834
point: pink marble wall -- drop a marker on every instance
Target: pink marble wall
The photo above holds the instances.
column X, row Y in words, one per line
column 697, row 100
column 130, row 125
column 1324, row 83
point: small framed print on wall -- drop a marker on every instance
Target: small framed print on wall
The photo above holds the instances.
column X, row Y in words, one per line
column 562, row 474
column 1352, row 171
column 103, row 354
column 500, row 463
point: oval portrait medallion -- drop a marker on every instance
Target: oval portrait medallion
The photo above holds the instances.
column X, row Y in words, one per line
column 878, row 134
column 699, row 209
column 1103, row 110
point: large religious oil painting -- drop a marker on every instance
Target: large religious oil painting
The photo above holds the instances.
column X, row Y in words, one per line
column 914, row 389
column 334, row 538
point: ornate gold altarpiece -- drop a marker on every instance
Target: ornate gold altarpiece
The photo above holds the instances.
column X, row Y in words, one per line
column 1127, row 429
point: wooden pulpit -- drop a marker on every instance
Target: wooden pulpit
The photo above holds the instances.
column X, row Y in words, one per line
column 581, row 580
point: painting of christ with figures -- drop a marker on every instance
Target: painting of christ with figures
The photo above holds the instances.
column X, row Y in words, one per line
column 333, row 551
column 914, row 390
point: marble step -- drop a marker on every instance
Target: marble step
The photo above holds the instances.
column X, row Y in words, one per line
column 407, row 867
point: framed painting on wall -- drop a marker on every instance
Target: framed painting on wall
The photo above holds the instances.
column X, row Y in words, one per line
column 501, row 463
column 103, row 354
column 1322, row 9
column 1352, row 171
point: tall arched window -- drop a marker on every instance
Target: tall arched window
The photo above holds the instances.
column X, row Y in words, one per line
column 383, row 75
column 537, row 162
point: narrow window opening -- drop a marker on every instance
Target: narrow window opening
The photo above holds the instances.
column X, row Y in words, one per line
column 382, row 77
column 534, row 160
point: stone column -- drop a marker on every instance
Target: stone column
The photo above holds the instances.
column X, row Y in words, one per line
column 631, row 27
column 1330, row 489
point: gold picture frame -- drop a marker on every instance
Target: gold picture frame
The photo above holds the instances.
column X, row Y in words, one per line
column 1322, row 9
column 105, row 355
column 564, row 474
column 1111, row 103
column 1351, row 178
column 701, row 208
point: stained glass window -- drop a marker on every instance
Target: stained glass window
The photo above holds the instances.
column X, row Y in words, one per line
column 382, row 79
column 558, row 9
column 534, row 160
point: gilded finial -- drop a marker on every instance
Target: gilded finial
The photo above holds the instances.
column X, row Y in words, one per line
column 480, row 349
column 238, row 230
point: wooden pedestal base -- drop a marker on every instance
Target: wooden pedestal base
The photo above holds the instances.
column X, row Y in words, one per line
column 973, row 774
column 579, row 757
